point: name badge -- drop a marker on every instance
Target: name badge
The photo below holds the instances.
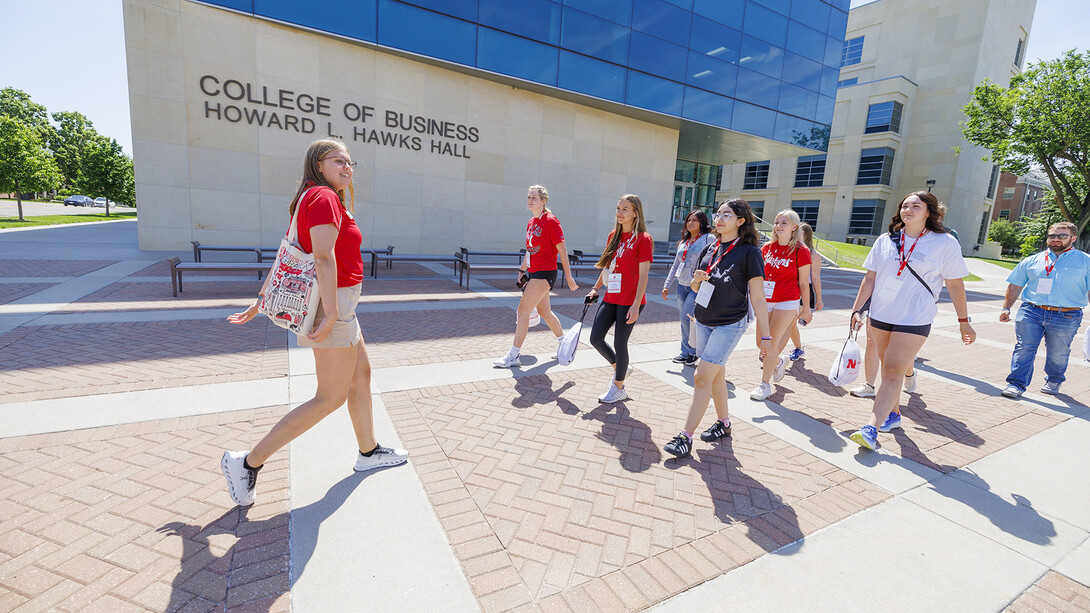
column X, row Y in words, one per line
column 891, row 288
column 770, row 286
column 704, row 294
column 1044, row 286
column 613, row 283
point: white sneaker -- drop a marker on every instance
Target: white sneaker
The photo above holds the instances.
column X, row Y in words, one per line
column 780, row 370
column 1050, row 388
column 613, row 394
column 863, row 391
column 381, row 456
column 910, row 382
column 507, row 361
column 761, row 392
column 241, row 481
column 1011, row 391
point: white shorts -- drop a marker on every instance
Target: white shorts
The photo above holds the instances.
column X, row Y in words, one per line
column 787, row 305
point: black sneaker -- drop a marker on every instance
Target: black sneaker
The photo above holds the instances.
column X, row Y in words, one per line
column 691, row 360
column 716, row 432
column 680, row 359
column 679, row 446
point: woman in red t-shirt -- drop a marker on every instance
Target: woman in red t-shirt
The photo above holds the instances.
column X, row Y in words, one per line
column 625, row 265
column 326, row 229
column 787, row 282
column 544, row 242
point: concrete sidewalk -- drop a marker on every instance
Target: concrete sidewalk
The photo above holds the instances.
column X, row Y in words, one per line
column 522, row 491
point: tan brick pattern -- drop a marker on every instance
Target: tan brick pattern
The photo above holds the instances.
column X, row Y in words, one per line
column 553, row 500
column 137, row 518
column 414, row 290
column 146, row 296
column 50, row 268
column 10, row 292
column 83, row 359
column 1053, row 593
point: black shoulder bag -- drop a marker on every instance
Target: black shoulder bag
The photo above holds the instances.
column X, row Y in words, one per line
column 896, row 238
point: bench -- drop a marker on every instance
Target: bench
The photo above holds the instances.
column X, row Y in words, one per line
column 177, row 267
column 198, row 248
column 270, row 252
column 455, row 259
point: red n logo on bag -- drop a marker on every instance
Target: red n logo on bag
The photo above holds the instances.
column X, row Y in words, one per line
column 853, row 364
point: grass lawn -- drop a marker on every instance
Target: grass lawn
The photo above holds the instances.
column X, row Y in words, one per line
column 852, row 256
column 52, row 220
column 1005, row 263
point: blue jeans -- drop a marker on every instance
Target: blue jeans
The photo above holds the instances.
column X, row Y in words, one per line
column 686, row 304
column 1057, row 328
column 716, row 343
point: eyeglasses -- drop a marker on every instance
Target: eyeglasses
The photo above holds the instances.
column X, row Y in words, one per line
column 724, row 216
column 1060, row 236
column 339, row 161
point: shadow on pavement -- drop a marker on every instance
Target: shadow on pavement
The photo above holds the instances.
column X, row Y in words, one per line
column 1018, row 519
column 629, row 435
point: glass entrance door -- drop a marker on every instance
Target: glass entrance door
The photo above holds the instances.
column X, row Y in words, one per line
column 683, row 203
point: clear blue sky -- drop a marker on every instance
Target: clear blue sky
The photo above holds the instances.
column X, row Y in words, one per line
column 69, row 55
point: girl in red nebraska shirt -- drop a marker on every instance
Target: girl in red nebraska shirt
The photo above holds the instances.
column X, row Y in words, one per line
column 787, row 281
column 625, row 265
column 328, row 230
column 544, row 242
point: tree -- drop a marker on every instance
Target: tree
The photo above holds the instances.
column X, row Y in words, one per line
column 1033, row 229
column 107, row 171
column 70, row 138
column 1041, row 120
column 25, row 165
column 16, row 103
column 1006, row 234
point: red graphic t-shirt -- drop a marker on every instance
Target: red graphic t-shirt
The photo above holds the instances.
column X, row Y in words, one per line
column 630, row 253
column 782, row 265
column 542, row 236
column 321, row 206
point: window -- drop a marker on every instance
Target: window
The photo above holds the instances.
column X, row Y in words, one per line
column 875, row 166
column 756, row 175
column 867, row 216
column 992, row 182
column 1018, row 53
column 1004, row 214
column 847, row 82
column 884, row 117
column 758, row 207
column 982, row 235
column 853, row 52
column 810, row 171
column 1008, row 193
column 807, row 210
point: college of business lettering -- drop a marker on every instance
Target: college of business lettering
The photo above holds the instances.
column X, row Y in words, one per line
column 398, row 130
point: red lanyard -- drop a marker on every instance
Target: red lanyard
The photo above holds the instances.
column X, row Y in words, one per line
column 716, row 262
column 622, row 248
column 688, row 243
column 530, row 233
column 1049, row 267
column 904, row 259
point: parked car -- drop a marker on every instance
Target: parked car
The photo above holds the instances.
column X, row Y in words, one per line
column 102, row 202
column 78, row 201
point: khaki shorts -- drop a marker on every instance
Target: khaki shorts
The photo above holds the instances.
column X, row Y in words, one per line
column 346, row 332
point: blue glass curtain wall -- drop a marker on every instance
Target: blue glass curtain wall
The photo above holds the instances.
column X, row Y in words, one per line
column 764, row 67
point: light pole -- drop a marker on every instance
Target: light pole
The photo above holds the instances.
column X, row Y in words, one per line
column 930, row 184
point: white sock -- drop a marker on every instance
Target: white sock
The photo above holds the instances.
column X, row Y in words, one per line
column 514, row 351
column 559, row 337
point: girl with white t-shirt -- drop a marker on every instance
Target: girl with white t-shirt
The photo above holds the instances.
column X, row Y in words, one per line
column 906, row 270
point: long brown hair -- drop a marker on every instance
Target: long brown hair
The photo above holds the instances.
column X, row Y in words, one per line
column 702, row 219
column 315, row 152
column 934, row 214
column 640, row 227
column 747, row 232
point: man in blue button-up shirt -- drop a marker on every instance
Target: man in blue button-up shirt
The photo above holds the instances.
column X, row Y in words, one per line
column 1055, row 286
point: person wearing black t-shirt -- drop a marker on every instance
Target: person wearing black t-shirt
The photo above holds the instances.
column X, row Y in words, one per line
column 729, row 280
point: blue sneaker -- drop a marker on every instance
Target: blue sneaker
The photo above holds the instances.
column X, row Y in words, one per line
column 797, row 353
column 867, row 437
column 893, row 420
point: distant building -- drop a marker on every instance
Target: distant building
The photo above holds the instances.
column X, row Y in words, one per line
column 907, row 69
column 1018, row 196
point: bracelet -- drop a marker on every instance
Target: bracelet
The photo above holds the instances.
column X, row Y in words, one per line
column 766, row 338
column 1005, row 310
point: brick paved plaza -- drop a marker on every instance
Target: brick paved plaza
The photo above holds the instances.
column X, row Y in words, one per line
column 530, row 494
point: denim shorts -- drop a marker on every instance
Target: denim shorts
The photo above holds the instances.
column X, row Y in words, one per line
column 715, row 343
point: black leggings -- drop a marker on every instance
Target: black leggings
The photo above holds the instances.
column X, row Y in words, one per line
column 613, row 315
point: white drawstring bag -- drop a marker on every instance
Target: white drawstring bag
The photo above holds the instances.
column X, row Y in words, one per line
column 846, row 365
column 533, row 320
column 565, row 354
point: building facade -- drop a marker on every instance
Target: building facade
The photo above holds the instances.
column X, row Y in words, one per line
column 907, row 70
column 1018, row 196
column 454, row 107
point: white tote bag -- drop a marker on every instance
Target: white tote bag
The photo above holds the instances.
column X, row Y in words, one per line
column 570, row 342
column 846, row 365
column 291, row 299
